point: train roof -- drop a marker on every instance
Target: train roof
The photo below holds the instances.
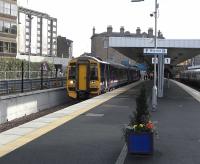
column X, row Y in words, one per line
column 104, row 62
column 91, row 57
column 191, row 70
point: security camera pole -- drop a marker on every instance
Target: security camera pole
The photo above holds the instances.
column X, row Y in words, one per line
column 154, row 90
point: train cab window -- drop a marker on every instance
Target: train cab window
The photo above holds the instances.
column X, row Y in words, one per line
column 72, row 72
column 93, row 72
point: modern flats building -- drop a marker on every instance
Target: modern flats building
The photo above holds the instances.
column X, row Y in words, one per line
column 8, row 28
column 100, row 49
column 38, row 40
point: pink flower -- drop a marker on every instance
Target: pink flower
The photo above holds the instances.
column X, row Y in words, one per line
column 149, row 125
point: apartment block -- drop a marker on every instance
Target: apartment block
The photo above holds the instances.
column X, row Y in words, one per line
column 8, row 28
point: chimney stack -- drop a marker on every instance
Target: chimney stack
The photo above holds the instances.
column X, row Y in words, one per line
column 160, row 35
column 122, row 30
column 93, row 30
column 138, row 31
column 109, row 29
column 150, row 32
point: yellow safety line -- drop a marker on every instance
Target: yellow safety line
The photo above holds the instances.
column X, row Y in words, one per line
column 7, row 148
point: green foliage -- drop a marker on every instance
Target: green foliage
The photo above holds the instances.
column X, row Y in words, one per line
column 13, row 67
column 141, row 115
column 140, row 119
column 12, row 64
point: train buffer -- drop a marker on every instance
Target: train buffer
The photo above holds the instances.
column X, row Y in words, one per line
column 91, row 131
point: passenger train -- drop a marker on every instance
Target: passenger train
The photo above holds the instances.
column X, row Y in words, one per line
column 89, row 76
column 192, row 75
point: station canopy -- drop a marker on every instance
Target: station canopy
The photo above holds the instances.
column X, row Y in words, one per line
column 178, row 50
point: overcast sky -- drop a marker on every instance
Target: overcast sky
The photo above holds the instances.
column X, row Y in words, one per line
column 178, row 19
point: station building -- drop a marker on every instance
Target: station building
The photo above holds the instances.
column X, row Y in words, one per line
column 100, row 48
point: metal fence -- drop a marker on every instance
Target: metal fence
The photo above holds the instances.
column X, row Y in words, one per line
column 26, row 85
column 17, row 75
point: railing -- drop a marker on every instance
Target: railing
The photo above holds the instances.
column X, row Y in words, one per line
column 26, row 85
column 17, row 75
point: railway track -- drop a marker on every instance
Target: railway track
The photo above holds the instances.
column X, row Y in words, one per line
column 194, row 86
column 19, row 121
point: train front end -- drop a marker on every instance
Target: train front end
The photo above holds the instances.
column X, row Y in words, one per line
column 83, row 78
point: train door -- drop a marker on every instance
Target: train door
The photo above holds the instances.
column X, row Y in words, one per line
column 82, row 85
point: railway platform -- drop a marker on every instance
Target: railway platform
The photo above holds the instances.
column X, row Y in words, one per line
column 91, row 132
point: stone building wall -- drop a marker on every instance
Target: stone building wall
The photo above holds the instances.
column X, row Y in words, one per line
column 99, row 43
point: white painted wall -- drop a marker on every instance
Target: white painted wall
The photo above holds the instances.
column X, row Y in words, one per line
column 18, row 105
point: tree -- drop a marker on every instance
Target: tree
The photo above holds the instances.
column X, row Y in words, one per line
column 141, row 115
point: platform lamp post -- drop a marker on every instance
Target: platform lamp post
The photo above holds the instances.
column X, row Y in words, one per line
column 29, row 52
column 154, row 90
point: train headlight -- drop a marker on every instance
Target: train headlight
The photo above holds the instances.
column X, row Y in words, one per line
column 92, row 82
column 71, row 82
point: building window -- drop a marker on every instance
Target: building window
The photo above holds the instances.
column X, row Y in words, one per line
column 1, row 6
column 6, row 27
column 7, row 8
column 6, row 47
column 13, row 28
column 13, row 48
column 54, row 35
column 1, row 46
column 13, row 9
column 1, row 25
column 27, row 50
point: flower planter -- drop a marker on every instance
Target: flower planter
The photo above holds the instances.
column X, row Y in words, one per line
column 140, row 143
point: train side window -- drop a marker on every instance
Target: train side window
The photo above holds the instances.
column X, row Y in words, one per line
column 93, row 72
column 72, row 72
column 112, row 73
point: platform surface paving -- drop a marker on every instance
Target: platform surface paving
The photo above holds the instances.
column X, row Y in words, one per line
column 178, row 125
column 95, row 136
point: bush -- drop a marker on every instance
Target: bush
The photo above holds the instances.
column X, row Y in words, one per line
column 141, row 116
column 12, row 65
column 140, row 119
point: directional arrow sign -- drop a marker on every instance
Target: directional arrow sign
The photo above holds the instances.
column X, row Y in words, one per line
column 154, row 51
column 153, row 60
column 167, row 60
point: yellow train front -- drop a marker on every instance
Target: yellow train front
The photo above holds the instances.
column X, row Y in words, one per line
column 83, row 77
column 88, row 76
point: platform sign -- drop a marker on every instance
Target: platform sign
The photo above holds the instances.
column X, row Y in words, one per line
column 155, row 51
column 167, row 60
column 153, row 60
